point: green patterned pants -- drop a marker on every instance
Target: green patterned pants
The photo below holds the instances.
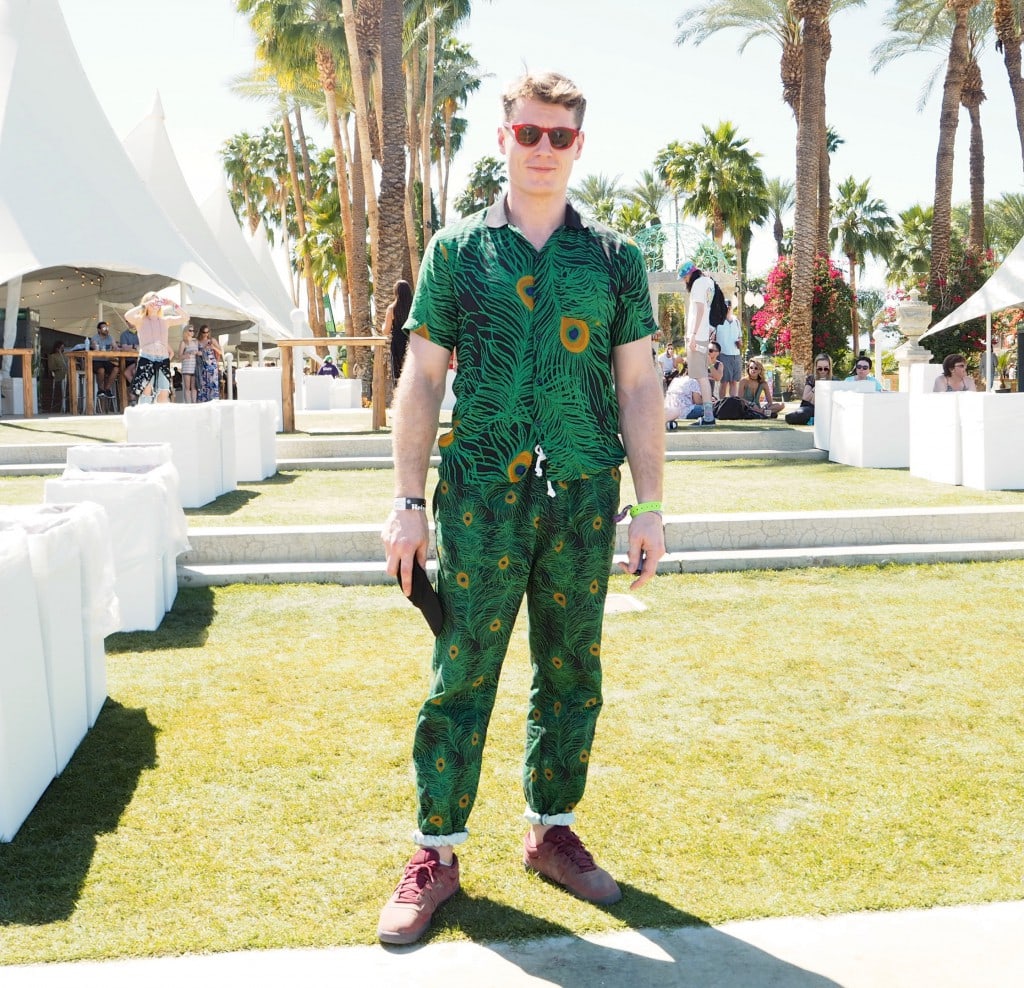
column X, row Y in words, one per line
column 493, row 546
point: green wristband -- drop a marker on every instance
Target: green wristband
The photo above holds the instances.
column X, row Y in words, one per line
column 646, row 506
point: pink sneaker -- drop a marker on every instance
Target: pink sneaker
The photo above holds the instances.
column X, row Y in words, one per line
column 425, row 885
column 562, row 857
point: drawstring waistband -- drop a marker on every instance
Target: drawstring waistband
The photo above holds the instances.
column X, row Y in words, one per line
column 539, row 470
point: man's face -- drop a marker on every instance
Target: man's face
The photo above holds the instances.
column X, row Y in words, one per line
column 540, row 170
column 104, row 330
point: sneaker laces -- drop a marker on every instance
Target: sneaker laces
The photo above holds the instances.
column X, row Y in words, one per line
column 569, row 845
column 418, row 874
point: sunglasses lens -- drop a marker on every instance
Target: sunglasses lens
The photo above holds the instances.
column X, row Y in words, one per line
column 561, row 137
column 528, row 135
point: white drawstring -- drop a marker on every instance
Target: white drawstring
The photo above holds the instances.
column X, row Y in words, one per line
column 538, row 472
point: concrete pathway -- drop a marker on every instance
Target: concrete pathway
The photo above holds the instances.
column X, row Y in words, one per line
column 956, row 947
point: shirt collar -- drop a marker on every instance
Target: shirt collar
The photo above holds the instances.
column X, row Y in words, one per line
column 497, row 216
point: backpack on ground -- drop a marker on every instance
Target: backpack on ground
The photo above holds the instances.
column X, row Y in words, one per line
column 719, row 310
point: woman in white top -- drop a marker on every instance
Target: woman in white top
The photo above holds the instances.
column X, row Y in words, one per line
column 187, row 355
column 153, row 374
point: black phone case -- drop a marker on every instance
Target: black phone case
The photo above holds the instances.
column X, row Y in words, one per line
column 424, row 596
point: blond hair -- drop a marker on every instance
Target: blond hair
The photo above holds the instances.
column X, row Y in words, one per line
column 545, row 87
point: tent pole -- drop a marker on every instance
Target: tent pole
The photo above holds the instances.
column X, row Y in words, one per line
column 988, row 351
column 259, row 344
column 10, row 331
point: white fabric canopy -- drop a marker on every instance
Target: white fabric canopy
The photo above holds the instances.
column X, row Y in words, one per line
column 69, row 197
column 151, row 152
column 1004, row 289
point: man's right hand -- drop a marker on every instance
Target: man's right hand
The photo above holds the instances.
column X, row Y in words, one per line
column 405, row 536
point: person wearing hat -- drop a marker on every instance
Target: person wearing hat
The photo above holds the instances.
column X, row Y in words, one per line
column 698, row 333
column 327, row 368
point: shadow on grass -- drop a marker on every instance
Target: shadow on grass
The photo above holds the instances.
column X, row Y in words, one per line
column 53, row 436
column 186, row 625
column 226, row 504
column 43, row 869
column 681, row 948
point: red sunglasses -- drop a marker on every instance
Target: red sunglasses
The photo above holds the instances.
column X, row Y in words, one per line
column 529, row 135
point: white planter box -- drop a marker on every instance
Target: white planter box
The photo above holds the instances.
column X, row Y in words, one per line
column 992, row 434
column 823, row 392
column 935, row 443
column 27, row 756
column 870, row 430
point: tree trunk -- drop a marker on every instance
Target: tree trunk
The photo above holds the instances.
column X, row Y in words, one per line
column 956, row 68
column 808, row 162
column 428, row 116
column 824, row 164
column 854, row 314
column 357, row 295
column 972, row 96
column 307, row 172
column 393, row 243
column 361, row 108
column 1009, row 40
column 314, row 303
column 412, row 86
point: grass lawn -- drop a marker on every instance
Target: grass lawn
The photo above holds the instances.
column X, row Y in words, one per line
column 804, row 742
column 363, row 496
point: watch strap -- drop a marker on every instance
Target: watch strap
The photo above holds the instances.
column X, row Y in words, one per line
column 409, row 504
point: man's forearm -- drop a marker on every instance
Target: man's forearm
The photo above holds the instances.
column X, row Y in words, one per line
column 417, row 406
column 641, row 420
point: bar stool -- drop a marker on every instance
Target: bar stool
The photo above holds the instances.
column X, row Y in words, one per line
column 107, row 404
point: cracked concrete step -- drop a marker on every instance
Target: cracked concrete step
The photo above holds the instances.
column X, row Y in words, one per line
column 712, row 533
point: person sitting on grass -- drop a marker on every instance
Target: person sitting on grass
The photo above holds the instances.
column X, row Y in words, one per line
column 756, row 392
column 804, row 415
column 682, row 399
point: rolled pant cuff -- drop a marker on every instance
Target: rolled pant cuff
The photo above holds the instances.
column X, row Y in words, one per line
column 442, row 840
column 550, row 819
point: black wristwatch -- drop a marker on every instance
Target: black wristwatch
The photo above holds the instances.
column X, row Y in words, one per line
column 409, row 504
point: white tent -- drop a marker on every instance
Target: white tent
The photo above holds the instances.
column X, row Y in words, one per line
column 1004, row 289
column 151, row 152
column 77, row 225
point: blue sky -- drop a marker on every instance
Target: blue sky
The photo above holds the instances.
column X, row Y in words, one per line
column 643, row 90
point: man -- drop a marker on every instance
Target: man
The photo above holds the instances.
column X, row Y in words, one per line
column 729, row 336
column 668, row 363
column 105, row 370
column 327, row 368
column 543, row 308
column 698, row 333
column 129, row 340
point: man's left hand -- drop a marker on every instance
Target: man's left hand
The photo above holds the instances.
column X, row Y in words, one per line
column 646, row 547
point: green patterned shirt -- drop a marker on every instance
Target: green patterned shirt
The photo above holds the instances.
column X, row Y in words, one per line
column 534, row 331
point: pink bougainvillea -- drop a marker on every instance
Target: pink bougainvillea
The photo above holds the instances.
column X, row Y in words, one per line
column 830, row 319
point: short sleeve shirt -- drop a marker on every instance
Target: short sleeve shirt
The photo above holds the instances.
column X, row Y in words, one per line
column 702, row 290
column 534, row 331
column 101, row 342
column 728, row 336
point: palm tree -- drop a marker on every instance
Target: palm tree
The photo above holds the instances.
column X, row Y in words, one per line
column 712, row 174
column 910, row 257
column 650, row 193
column 928, row 26
column 483, row 186
column 780, row 201
column 811, row 136
column 922, row 16
column 239, row 155
column 391, row 221
column 863, row 228
column 598, row 195
column 1005, row 224
column 1006, row 17
column 457, row 76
